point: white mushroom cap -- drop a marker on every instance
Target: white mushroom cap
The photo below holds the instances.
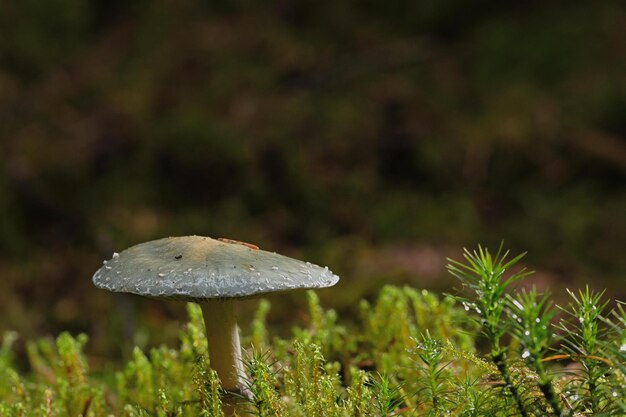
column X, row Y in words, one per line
column 195, row 268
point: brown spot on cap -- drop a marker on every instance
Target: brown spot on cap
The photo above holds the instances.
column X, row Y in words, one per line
column 238, row 242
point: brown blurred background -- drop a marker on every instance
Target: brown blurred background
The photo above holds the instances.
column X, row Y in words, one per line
column 373, row 137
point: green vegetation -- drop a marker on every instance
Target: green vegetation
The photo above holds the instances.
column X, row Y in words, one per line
column 488, row 351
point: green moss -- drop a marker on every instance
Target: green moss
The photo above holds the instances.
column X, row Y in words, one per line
column 413, row 353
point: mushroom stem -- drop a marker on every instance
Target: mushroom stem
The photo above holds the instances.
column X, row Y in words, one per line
column 224, row 347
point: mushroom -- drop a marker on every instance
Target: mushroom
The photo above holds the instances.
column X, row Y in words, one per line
column 213, row 273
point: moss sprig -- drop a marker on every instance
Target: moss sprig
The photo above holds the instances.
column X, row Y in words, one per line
column 483, row 276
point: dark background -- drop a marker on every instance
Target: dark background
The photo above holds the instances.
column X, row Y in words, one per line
column 373, row 137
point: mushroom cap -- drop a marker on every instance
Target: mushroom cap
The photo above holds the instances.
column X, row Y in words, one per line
column 193, row 268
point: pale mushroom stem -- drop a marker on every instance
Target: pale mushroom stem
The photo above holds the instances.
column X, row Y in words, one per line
column 222, row 335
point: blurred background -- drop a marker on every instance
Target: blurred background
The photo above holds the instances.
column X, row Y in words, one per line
column 377, row 138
